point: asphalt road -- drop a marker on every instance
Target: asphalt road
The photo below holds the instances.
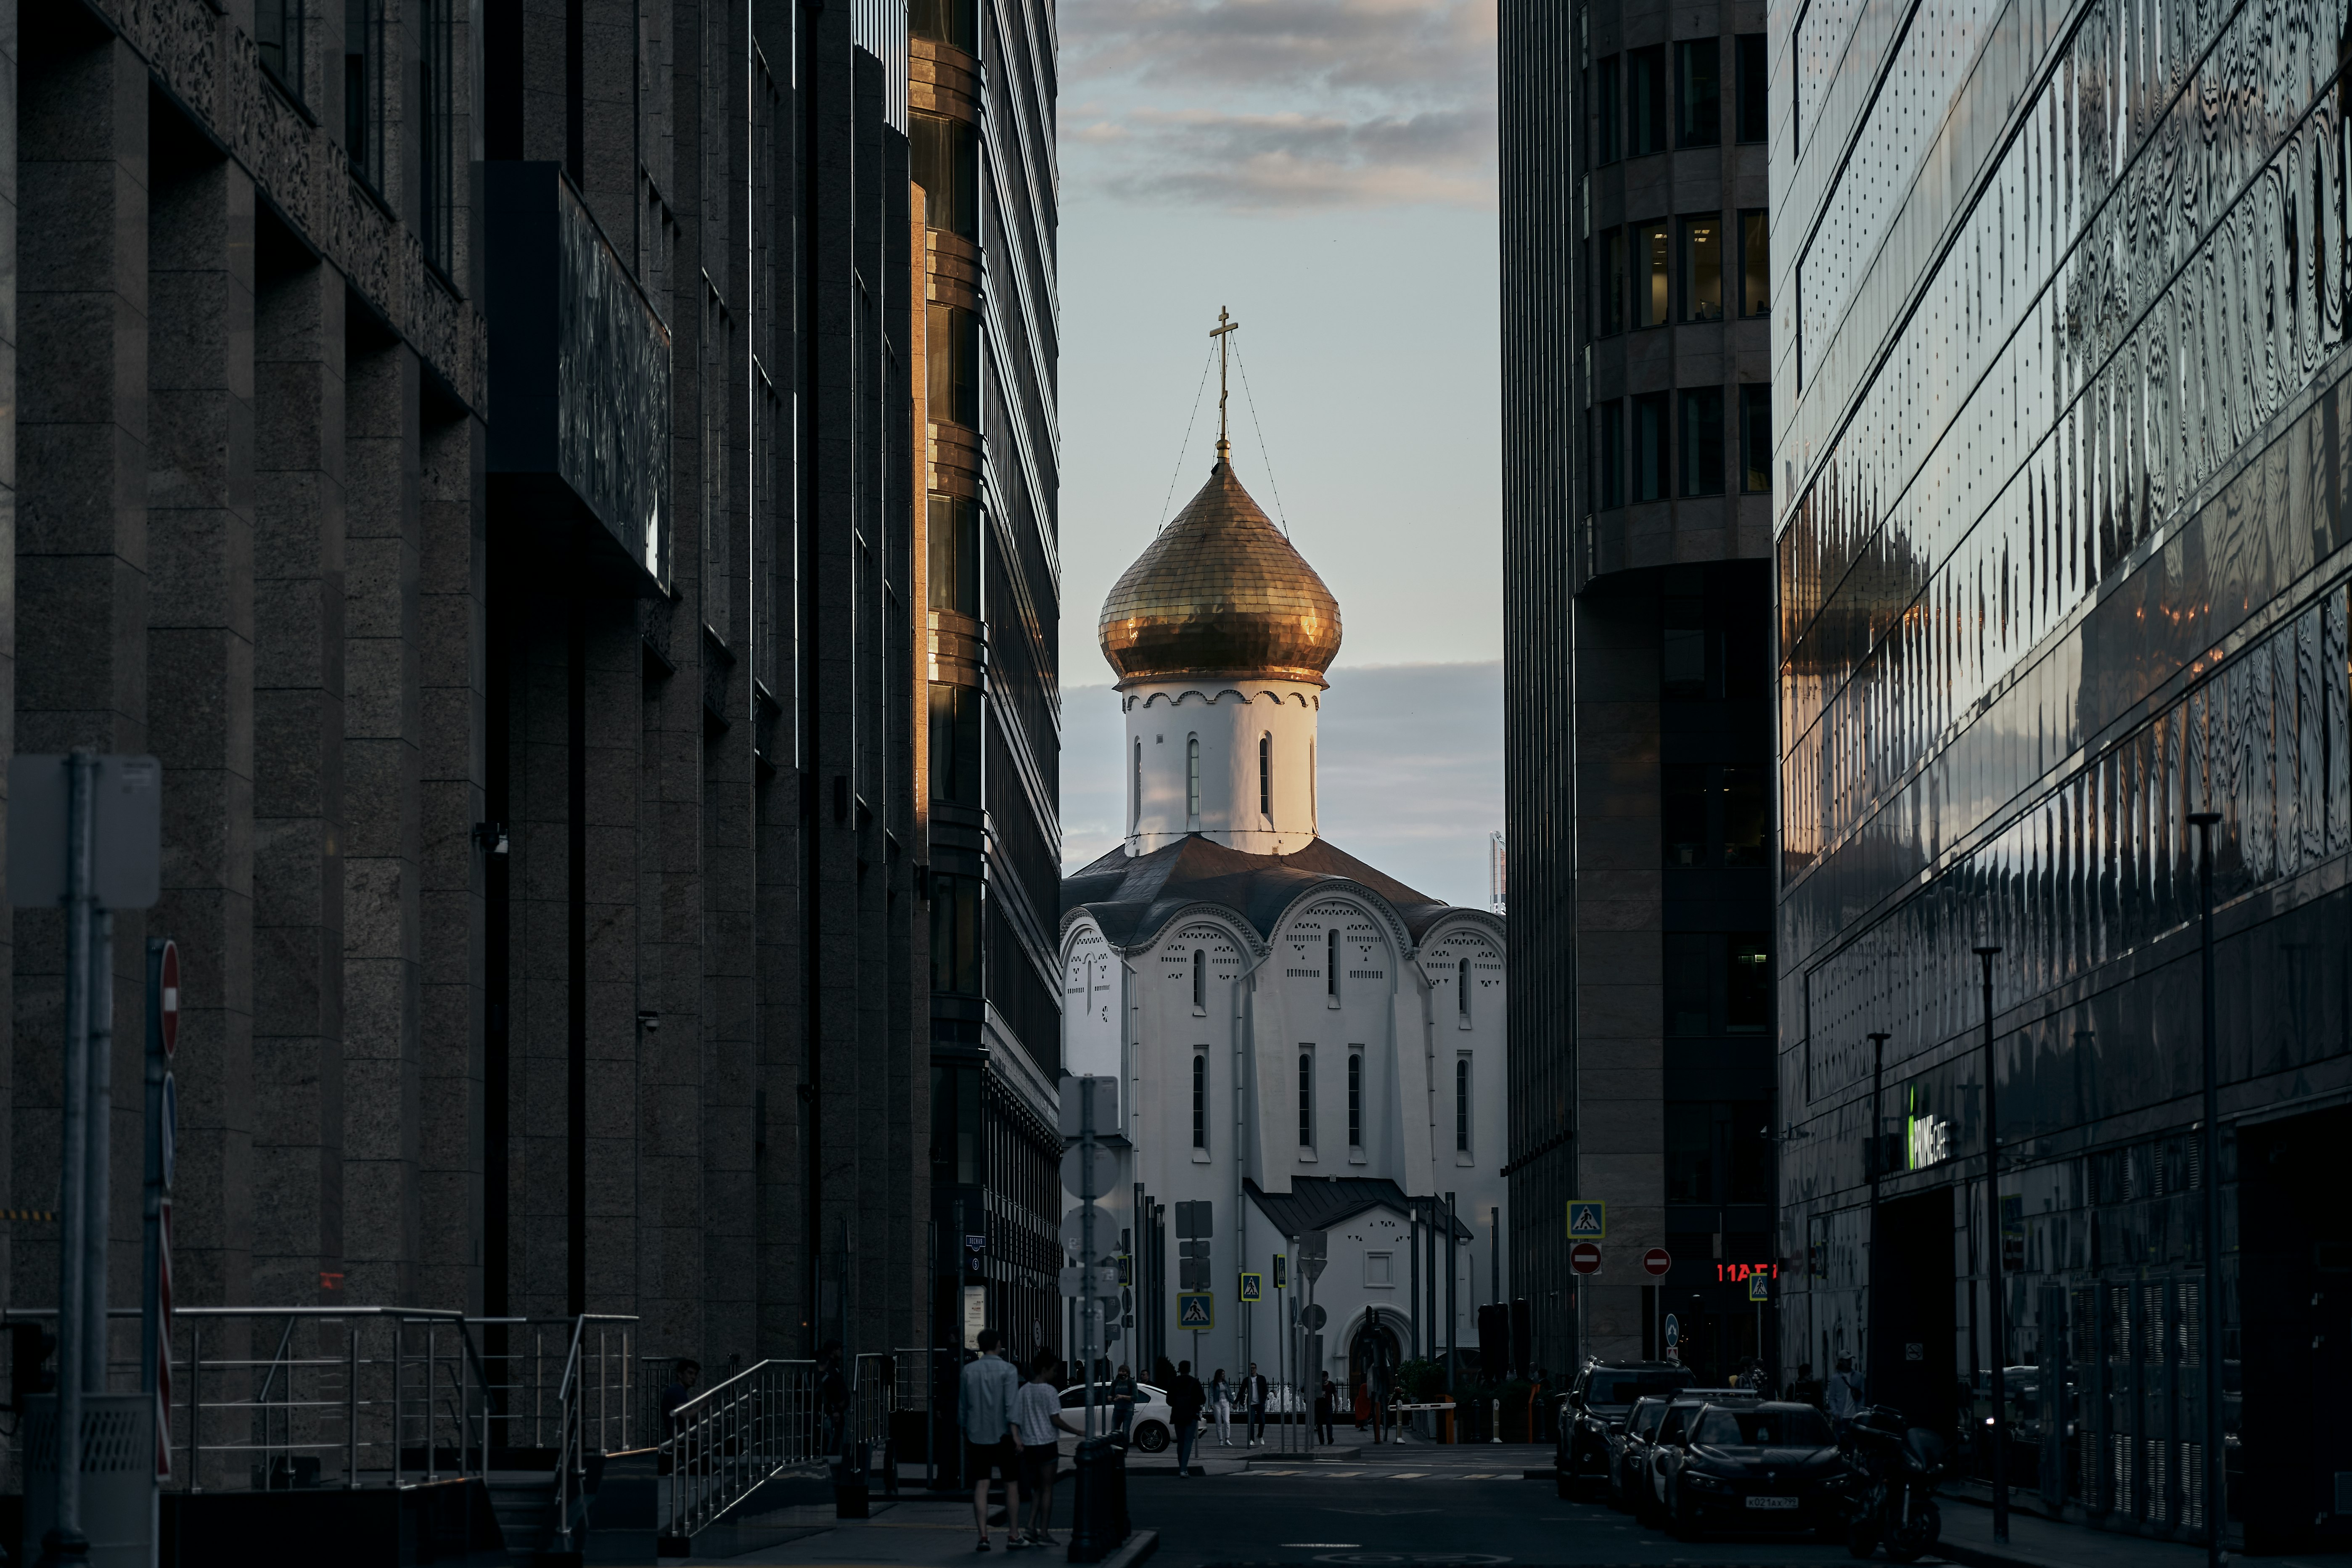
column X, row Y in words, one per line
column 1449, row 1514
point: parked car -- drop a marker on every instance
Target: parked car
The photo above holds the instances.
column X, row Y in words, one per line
column 1594, row 1404
column 1767, row 1466
column 1663, row 1453
column 1629, row 1443
column 1151, row 1428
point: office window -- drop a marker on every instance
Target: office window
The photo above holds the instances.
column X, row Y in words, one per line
column 1646, row 100
column 1608, row 455
column 277, row 40
column 1747, row 996
column 955, row 934
column 1332, row 964
column 1649, row 438
column 955, row 23
column 1199, row 1101
column 1756, row 437
column 1703, row 269
column 1608, row 283
column 1355, row 1099
column 1379, row 1270
column 955, row 744
column 955, row 554
column 1653, row 262
column 953, row 335
column 943, row 155
column 1698, row 95
column 1683, row 800
column 363, row 87
column 1462, row 1105
column 1307, row 1099
column 1702, row 441
column 1266, row 775
column 1607, row 145
column 1689, row 984
column 1200, row 981
column 1754, row 264
column 1193, row 777
column 1461, row 990
column 1743, row 816
column 1754, row 88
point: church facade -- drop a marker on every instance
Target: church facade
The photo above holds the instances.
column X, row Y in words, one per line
column 1302, row 1042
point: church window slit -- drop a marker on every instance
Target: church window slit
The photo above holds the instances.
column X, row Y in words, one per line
column 1200, row 981
column 1462, row 1105
column 1332, row 964
column 1200, row 1102
column 1355, row 1099
column 1307, row 1099
column 1266, row 775
column 1193, row 777
column 1462, row 991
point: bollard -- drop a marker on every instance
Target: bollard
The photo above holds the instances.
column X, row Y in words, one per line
column 1098, row 1524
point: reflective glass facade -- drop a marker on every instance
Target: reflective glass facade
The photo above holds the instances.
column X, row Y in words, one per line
column 2059, row 540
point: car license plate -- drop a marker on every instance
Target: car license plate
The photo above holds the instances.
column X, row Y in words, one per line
column 1771, row 1503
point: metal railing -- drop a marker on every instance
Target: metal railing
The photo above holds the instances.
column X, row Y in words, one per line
column 594, row 1407
column 527, row 1379
column 735, row 1435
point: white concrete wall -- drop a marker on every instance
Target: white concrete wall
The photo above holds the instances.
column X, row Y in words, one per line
column 1227, row 719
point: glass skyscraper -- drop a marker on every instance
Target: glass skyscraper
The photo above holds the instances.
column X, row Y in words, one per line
column 2060, row 542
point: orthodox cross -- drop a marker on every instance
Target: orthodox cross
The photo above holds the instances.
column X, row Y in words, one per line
column 1226, row 323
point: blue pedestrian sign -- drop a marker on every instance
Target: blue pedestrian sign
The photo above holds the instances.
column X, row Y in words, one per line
column 1588, row 1219
column 1196, row 1312
column 1253, row 1288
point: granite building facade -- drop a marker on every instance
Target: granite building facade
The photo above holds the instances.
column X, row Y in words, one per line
column 1637, row 480
column 2060, row 550
column 492, row 457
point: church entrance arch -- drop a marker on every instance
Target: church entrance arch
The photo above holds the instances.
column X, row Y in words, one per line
column 1375, row 1351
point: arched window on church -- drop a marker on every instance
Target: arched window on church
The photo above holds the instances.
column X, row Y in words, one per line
column 1266, row 775
column 1135, row 790
column 1193, row 777
column 1462, row 992
column 1199, row 982
column 1311, row 826
column 1462, row 1105
column 1332, row 964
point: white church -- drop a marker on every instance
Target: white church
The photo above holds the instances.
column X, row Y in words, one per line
column 1301, row 1042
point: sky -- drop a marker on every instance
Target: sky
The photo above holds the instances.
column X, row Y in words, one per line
column 1324, row 170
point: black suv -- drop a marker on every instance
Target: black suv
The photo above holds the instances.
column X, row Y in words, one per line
column 1595, row 1404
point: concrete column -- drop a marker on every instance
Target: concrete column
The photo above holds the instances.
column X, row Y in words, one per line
column 298, row 863
column 81, row 544
column 10, row 335
column 382, row 775
column 452, row 590
column 200, row 681
column 619, row 1258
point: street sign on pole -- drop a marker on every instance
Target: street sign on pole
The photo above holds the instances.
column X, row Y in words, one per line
column 1673, row 1331
column 1588, row 1219
column 1584, row 1257
column 1074, row 1224
column 1196, row 1312
column 1281, row 1272
column 1658, row 1260
column 1760, row 1288
column 1312, row 1316
column 1253, row 1288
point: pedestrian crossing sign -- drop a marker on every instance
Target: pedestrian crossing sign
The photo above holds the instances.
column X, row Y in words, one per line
column 1196, row 1312
column 1760, row 1288
column 1588, row 1219
column 1253, row 1287
column 1281, row 1272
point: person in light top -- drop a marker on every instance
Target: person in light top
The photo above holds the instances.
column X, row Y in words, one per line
column 1033, row 1409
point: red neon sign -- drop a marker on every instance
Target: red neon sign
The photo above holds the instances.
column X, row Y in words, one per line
column 1731, row 1273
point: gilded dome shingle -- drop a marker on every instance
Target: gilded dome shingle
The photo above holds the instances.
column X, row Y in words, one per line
column 1220, row 593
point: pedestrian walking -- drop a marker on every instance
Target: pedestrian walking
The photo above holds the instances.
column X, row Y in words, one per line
column 1806, row 1389
column 1253, row 1395
column 832, row 1397
column 1325, row 1398
column 1122, row 1404
column 1185, row 1398
column 1221, row 1399
column 991, row 1442
column 1033, row 1409
column 1839, row 1399
column 1363, row 1407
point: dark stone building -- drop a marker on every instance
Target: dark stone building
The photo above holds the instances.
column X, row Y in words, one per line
column 2062, row 547
column 1637, row 481
column 503, row 459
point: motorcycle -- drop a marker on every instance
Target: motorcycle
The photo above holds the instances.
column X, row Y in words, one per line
column 1892, row 1468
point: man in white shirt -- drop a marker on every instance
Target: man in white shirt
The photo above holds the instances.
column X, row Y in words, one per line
column 1838, row 1399
column 992, row 1444
column 1033, row 1409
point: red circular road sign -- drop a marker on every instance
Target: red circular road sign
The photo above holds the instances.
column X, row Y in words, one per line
column 168, row 1003
column 1657, row 1260
column 1584, row 1257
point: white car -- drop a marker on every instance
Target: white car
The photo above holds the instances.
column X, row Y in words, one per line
column 1151, row 1428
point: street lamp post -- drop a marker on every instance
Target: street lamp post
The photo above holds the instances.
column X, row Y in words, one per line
column 1993, row 1204
column 1875, row 1146
column 2217, row 1475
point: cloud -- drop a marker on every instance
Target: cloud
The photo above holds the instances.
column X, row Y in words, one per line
column 1284, row 104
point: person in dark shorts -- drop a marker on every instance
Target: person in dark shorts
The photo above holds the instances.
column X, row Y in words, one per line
column 990, row 1448
column 1033, row 1409
column 1185, row 1398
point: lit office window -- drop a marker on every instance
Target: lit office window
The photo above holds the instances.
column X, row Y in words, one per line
column 1703, row 269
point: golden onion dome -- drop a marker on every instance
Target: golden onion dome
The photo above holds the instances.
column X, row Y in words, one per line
column 1220, row 593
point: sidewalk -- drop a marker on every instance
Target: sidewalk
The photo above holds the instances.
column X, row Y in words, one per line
column 2038, row 1542
column 910, row 1533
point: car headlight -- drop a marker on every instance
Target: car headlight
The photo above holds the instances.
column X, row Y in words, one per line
column 1705, row 1482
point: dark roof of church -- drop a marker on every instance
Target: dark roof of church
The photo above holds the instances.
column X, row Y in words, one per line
column 1318, row 1203
column 1131, row 897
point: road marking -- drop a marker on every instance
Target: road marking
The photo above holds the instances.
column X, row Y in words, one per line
column 1411, row 1475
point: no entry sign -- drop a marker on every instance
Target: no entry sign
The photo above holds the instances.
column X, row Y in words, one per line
column 1584, row 1257
column 1657, row 1260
